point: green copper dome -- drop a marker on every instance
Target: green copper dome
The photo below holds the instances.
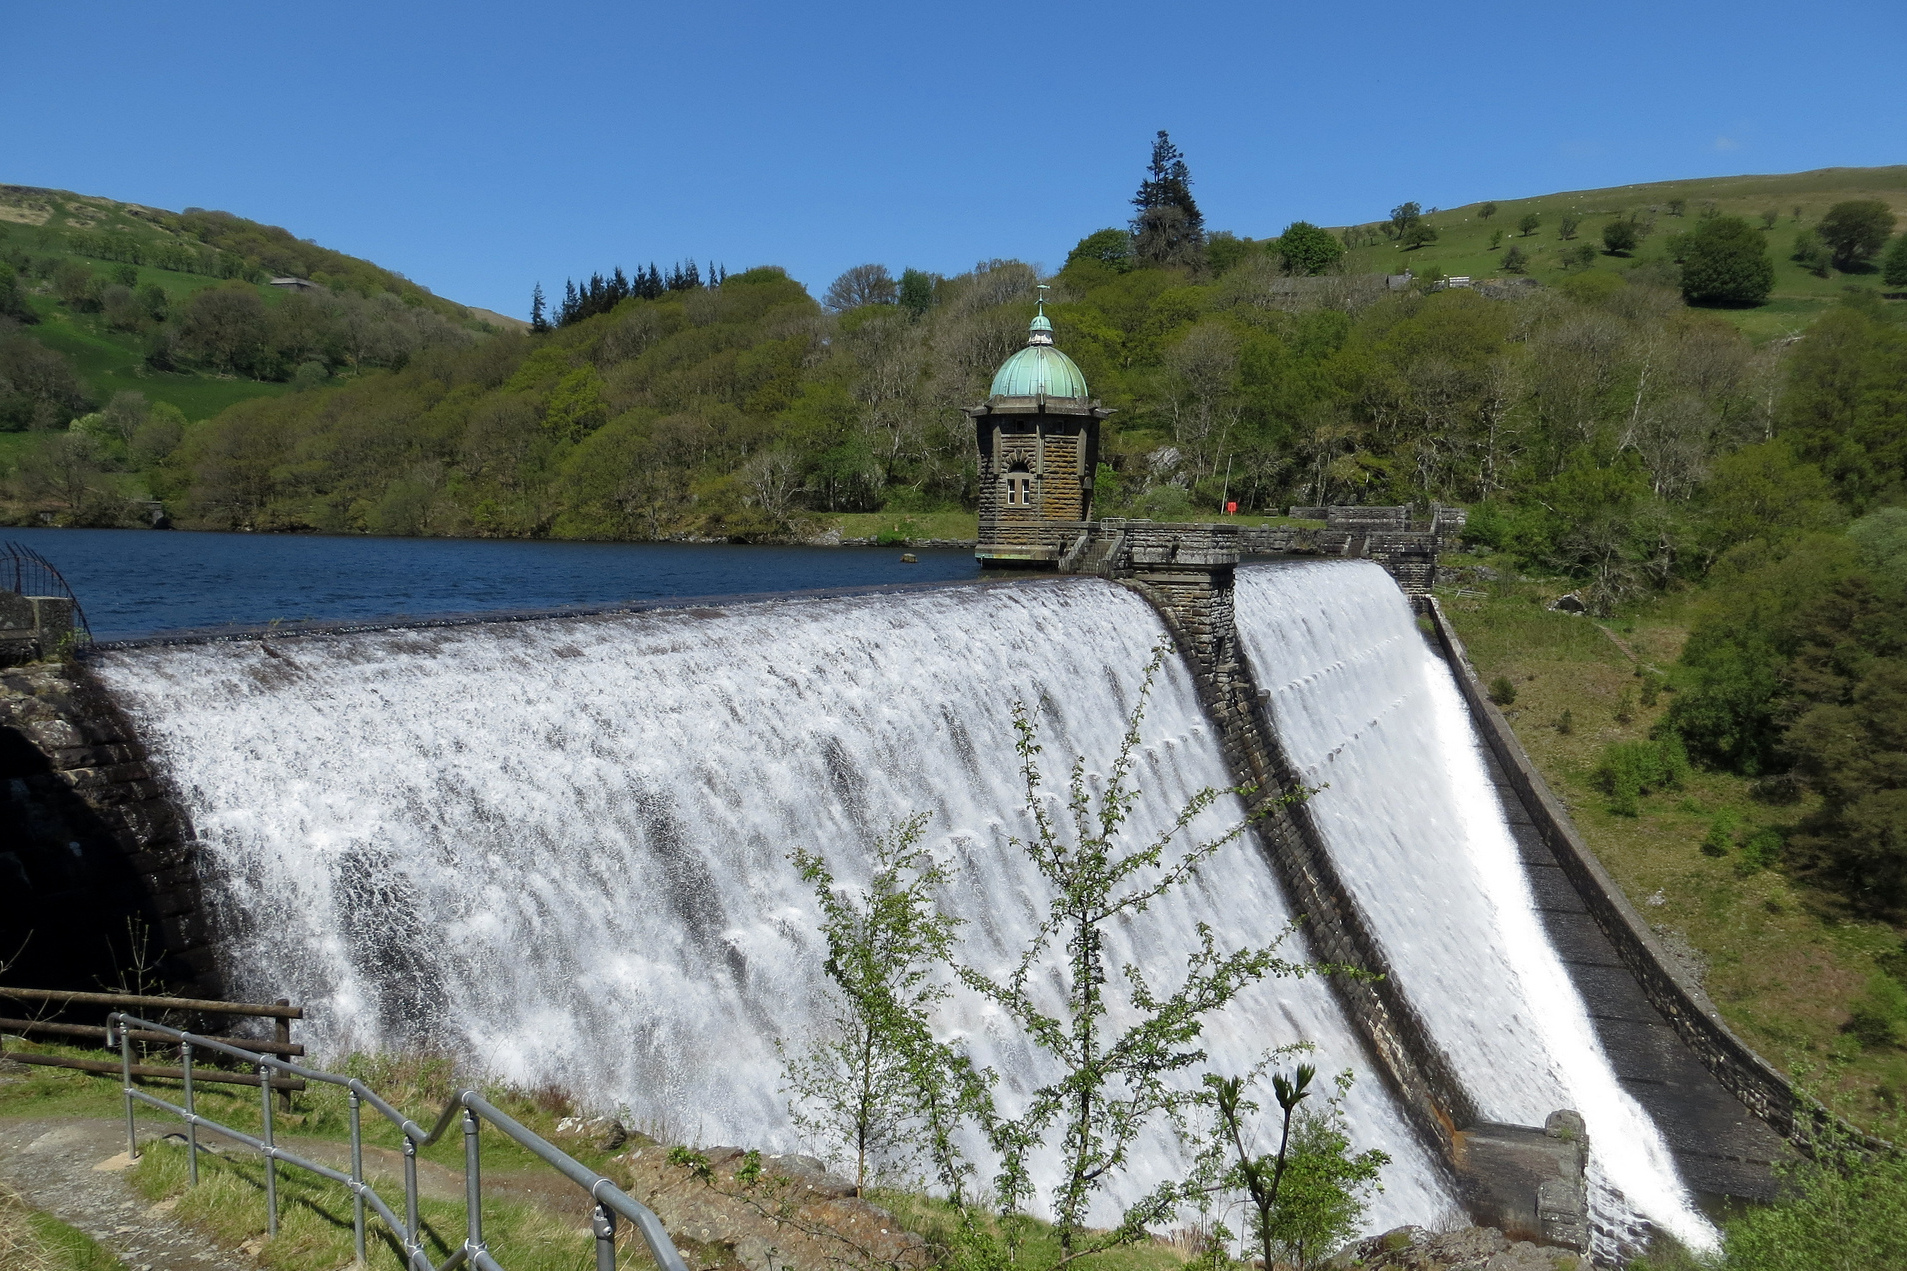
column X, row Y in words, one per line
column 1039, row 368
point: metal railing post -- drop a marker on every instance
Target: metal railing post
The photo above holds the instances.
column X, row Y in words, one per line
column 125, row 1070
column 609, row 1202
column 271, row 1161
column 410, row 1200
column 357, row 1176
column 602, row 1221
column 473, row 1186
column 191, row 1117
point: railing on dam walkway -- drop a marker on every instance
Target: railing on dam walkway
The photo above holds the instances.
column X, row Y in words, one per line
column 466, row 1106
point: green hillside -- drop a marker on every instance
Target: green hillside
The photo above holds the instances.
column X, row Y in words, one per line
column 1798, row 200
column 113, row 287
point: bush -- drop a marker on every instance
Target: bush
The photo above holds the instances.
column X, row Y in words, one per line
column 1720, row 836
column 1841, row 1210
column 1877, row 1014
column 1727, row 264
column 1619, row 237
column 1631, row 769
column 1810, row 251
column 1761, row 850
column 1306, row 249
column 1515, row 261
column 1894, row 267
column 1502, row 691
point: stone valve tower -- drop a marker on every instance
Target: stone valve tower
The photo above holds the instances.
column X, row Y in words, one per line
column 1038, row 434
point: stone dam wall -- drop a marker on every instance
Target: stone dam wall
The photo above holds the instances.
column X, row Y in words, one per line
column 1524, row 1180
column 96, row 863
column 1752, row 1081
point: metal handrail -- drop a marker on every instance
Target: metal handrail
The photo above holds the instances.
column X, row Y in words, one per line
column 466, row 1105
column 27, row 573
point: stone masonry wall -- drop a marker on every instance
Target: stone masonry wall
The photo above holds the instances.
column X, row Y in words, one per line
column 1762, row 1088
column 95, row 859
column 1196, row 604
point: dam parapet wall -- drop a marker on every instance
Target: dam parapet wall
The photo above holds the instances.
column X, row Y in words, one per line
column 1760, row 1087
column 1115, row 548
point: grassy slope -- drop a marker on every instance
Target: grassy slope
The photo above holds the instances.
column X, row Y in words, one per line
column 37, row 221
column 1463, row 244
column 111, row 361
column 31, row 1240
column 315, row 1229
column 1785, row 962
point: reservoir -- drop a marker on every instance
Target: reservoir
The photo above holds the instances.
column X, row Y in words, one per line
column 136, row 583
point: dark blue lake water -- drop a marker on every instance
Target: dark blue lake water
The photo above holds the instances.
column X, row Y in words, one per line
column 143, row 582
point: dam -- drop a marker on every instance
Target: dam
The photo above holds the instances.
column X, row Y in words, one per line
column 559, row 846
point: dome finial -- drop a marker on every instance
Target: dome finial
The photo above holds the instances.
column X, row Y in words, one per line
column 1040, row 331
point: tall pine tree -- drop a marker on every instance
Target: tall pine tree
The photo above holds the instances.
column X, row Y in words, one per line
column 1168, row 229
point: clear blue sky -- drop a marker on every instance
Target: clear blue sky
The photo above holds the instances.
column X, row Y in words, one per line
column 481, row 147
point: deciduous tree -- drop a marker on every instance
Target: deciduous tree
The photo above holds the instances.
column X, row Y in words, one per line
column 1619, row 237
column 1113, row 1078
column 861, row 285
column 862, row 1085
column 1855, row 230
column 1727, row 264
column 1306, row 249
column 1894, row 266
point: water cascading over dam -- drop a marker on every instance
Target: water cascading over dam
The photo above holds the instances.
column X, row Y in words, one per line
column 1371, row 717
column 561, row 847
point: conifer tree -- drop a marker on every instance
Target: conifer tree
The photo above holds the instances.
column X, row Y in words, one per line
column 539, row 323
column 1169, row 229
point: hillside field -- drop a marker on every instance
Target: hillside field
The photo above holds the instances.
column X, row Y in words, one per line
column 1463, row 234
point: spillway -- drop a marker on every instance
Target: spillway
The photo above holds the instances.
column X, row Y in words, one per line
column 1371, row 718
column 561, row 847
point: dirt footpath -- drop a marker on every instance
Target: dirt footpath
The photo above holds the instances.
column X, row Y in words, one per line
column 74, row 1168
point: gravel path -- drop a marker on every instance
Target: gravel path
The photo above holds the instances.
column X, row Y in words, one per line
column 74, row 1168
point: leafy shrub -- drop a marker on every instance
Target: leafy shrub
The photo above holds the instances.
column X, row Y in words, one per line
column 1720, row 837
column 1631, row 769
column 1761, row 850
column 1843, row 1210
column 1877, row 1014
column 1502, row 691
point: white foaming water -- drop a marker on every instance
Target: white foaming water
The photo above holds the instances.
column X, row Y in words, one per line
column 560, row 847
column 1364, row 708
